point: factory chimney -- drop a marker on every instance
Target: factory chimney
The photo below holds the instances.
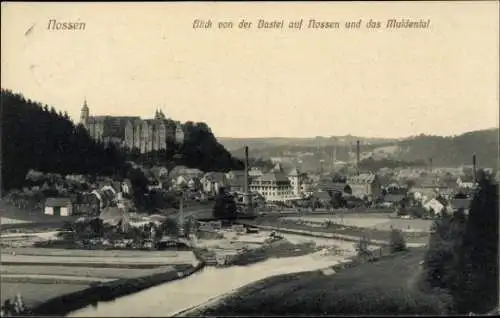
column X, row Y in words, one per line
column 474, row 171
column 430, row 165
column 246, row 197
column 357, row 155
column 246, row 170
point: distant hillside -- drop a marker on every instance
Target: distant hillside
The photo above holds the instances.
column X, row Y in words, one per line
column 309, row 153
column 260, row 143
column 453, row 151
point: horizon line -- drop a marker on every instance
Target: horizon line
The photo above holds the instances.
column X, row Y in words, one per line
column 364, row 137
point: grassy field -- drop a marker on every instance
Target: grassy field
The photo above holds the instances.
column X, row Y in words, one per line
column 375, row 234
column 76, row 271
column 385, row 287
column 44, row 273
column 91, row 253
column 34, row 294
column 12, row 217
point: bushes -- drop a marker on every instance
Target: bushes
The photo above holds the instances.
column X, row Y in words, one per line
column 397, row 241
column 362, row 247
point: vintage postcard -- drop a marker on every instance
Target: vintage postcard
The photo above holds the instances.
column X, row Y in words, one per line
column 249, row 159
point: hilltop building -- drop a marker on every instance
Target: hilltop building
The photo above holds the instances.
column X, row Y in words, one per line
column 133, row 132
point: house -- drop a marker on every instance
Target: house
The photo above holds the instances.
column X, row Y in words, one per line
column 88, row 204
column 274, row 185
column 365, row 185
column 255, row 172
column 435, row 205
column 296, row 178
column 460, row 203
column 109, row 188
column 58, row 207
column 236, row 180
column 213, row 181
column 466, row 181
column 194, row 183
column 154, row 185
column 327, row 184
column 159, row 172
column 394, row 199
column 235, row 174
column 180, row 181
column 322, row 197
column 185, row 171
column 306, row 187
column 114, row 216
column 99, row 197
column 126, row 187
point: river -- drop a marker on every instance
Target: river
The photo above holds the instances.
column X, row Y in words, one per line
column 171, row 298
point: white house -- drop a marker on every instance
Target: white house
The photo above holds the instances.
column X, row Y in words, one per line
column 58, row 207
column 466, row 182
column 435, row 204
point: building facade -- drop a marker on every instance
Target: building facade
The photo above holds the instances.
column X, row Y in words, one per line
column 366, row 185
column 275, row 185
column 133, row 132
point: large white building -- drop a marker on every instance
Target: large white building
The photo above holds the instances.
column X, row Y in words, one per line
column 276, row 185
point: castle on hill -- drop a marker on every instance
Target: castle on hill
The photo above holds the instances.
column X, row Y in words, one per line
column 133, row 132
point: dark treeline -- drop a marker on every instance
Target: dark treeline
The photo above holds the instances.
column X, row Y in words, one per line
column 36, row 136
column 462, row 257
column 454, row 151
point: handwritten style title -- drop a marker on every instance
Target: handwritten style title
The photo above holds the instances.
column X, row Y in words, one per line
column 263, row 24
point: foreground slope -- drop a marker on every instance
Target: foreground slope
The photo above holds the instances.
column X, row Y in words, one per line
column 381, row 288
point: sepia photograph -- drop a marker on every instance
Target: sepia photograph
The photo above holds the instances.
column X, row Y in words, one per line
column 193, row 159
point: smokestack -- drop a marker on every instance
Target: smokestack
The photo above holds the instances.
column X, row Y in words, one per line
column 430, row 164
column 357, row 155
column 246, row 174
column 474, row 171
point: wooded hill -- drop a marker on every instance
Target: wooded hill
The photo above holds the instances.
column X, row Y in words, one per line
column 36, row 136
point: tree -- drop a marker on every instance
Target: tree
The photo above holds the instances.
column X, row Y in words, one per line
column 225, row 206
column 477, row 286
column 439, row 258
column 139, row 186
column 397, row 241
column 170, row 227
column 363, row 247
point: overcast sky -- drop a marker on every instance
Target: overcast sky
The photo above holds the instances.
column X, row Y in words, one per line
column 133, row 58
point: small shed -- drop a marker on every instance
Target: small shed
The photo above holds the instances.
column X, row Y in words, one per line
column 58, row 207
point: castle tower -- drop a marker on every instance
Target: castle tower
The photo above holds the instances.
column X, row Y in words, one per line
column 159, row 114
column 84, row 114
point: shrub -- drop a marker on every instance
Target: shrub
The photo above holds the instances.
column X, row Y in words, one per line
column 397, row 241
column 362, row 247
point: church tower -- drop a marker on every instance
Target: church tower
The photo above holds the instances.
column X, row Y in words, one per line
column 84, row 114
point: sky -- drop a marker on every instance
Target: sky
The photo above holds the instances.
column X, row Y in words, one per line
column 133, row 58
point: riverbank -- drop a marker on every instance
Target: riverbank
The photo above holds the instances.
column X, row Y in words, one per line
column 172, row 298
column 373, row 288
column 343, row 264
column 65, row 304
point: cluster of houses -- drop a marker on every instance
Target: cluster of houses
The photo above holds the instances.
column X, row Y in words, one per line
column 432, row 190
